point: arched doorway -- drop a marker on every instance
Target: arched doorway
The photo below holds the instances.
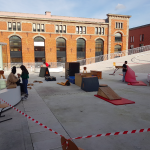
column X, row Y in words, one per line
column 61, row 49
column 80, row 49
column 39, row 49
column 117, row 49
column 15, row 49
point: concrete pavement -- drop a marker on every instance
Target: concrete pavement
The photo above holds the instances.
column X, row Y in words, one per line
column 73, row 112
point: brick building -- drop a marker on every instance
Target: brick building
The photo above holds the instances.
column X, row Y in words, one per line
column 32, row 37
column 139, row 36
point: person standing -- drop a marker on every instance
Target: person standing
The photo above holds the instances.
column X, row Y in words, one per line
column 45, row 64
column 124, row 70
column 25, row 77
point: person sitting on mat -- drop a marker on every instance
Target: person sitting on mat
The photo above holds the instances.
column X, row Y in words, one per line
column 124, row 70
column 13, row 81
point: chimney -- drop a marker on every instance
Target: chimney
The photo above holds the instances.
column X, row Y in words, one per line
column 48, row 13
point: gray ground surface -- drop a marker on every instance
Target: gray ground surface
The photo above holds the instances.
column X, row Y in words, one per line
column 72, row 112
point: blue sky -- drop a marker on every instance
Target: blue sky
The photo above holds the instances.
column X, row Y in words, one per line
column 138, row 9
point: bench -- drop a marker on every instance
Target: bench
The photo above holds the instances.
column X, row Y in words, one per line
column 12, row 96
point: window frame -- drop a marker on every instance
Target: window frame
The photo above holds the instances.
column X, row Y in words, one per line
column 100, row 30
column 118, row 25
column 14, row 26
column 119, row 37
column 18, row 28
column 34, row 29
column 10, row 23
column 116, row 48
column 142, row 37
column 80, row 30
column 64, row 26
column 42, row 26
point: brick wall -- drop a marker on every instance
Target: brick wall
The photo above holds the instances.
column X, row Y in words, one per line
column 3, row 25
column 27, row 38
column 49, row 28
column 71, row 29
column 26, row 27
column 136, row 33
column 123, row 33
column 90, row 30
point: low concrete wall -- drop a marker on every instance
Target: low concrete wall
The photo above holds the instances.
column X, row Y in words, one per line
column 12, row 96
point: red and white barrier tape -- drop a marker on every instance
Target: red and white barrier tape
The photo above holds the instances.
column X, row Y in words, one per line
column 82, row 137
column 35, row 121
column 115, row 133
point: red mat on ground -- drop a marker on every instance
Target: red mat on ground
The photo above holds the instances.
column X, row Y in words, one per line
column 122, row 75
column 130, row 75
column 139, row 83
column 121, row 101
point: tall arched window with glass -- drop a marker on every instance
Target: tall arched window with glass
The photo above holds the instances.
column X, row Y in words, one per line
column 15, row 49
column 117, row 49
column 61, row 50
column 80, row 49
column 118, row 37
column 39, row 49
column 99, row 45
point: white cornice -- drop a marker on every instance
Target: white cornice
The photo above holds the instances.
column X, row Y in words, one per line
column 117, row 15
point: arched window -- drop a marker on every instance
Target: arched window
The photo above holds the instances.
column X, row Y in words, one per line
column 39, row 48
column 80, row 49
column 61, row 49
column 118, row 37
column 99, row 44
column 117, row 49
column 15, row 49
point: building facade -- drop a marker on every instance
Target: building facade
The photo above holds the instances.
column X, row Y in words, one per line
column 32, row 37
column 139, row 36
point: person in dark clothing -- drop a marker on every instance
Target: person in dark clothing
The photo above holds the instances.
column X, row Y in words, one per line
column 25, row 76
column 124, row 70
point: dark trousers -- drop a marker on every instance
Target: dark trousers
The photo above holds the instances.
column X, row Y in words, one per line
column 21, row 86
column 25, row 83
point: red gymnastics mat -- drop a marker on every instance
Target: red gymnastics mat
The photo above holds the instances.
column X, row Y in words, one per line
column 122, row 75
column 138, row 83
column 121, row 101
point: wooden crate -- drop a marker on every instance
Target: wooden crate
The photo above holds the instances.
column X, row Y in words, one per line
column 79, row 76
column 97, row 73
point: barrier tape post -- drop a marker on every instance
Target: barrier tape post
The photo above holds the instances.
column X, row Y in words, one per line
column 82, row 137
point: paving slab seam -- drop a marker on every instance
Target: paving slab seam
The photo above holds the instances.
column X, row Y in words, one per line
column 66, row 94
column 60, row 123
column 56, row 119
column 56, row 148
column 28, row 127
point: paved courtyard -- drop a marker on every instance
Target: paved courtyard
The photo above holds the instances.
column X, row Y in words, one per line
column 72, row 112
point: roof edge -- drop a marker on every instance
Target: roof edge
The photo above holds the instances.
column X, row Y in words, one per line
column 118, row 15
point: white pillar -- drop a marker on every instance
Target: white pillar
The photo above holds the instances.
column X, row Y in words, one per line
column 1, row 58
